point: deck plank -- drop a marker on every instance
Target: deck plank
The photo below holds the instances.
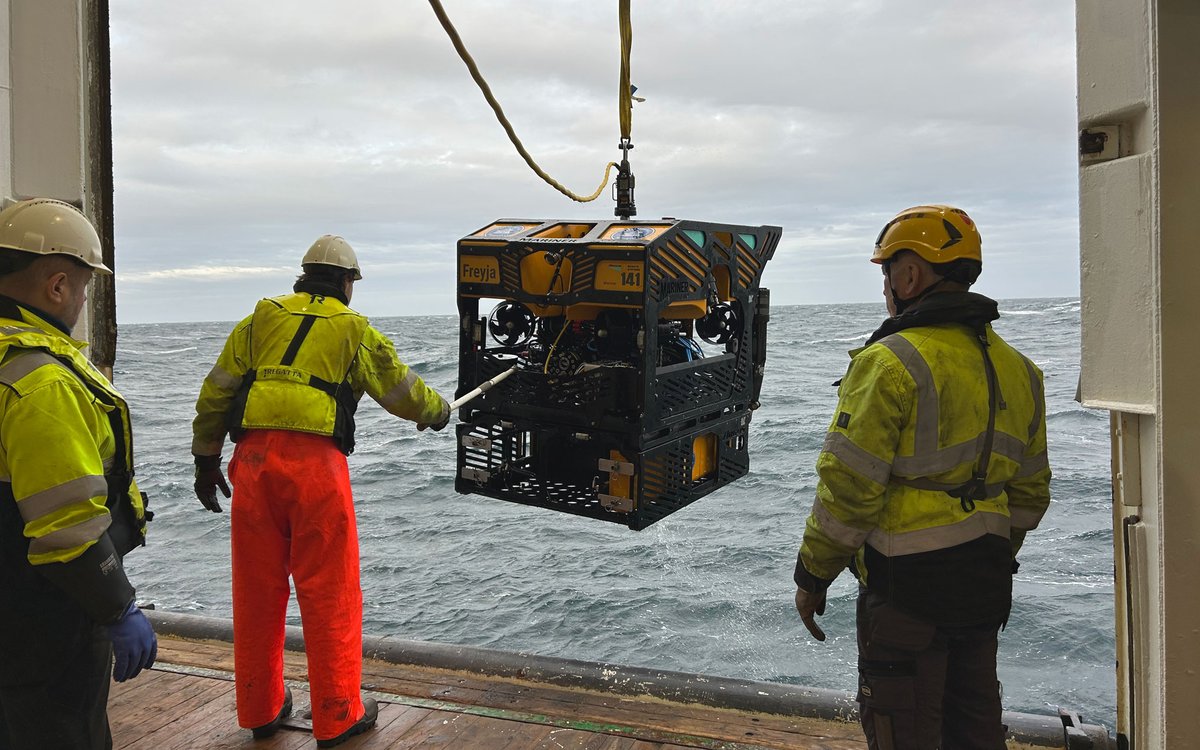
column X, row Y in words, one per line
column 228, row 735
column 461, row 688
column 648, row 714
column 429, row 727
column 768, row 730
column 577, row 740
column 174, row 729
column 498, row 733
column 162, row 710
column 435, row 709
column 131, row 704
column 594, row 706
column 395, row 720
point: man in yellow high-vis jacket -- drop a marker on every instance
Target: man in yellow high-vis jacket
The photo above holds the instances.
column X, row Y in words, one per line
column 69, row 508
column 285, row 388
column 932, row 472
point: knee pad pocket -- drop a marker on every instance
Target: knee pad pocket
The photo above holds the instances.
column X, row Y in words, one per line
column 887, row 686
column 887, row 700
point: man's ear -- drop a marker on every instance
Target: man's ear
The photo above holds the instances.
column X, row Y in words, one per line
column 58, row 287
column 905, row 277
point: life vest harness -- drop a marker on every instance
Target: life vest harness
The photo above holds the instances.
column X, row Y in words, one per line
column 975, row 312
column 127, row 531
column 342, row 393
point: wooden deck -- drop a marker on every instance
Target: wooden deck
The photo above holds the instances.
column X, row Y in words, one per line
column 187, row 702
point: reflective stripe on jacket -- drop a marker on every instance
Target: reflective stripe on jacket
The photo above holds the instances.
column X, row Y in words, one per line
column 339, row 347
column 58, row 454
column 910, row 424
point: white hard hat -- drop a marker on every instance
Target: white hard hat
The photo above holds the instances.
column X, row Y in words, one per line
column 44, row 226
column 331, row 250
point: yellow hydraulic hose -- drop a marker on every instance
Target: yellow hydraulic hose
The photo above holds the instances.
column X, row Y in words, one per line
column 625, row 95
column 550, row 354
column 625, row 103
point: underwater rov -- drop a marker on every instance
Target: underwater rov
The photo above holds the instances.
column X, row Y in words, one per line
column 584, row 388
column 612, row 410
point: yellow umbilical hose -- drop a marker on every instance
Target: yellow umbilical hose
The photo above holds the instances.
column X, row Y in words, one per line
column 625, row 104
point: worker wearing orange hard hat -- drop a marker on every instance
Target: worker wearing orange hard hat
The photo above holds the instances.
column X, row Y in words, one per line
column 933, row 470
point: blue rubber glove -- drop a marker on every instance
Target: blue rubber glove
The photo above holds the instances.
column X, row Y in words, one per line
column 134, row 644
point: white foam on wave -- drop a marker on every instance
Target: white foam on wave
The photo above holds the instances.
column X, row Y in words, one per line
column 141, row 353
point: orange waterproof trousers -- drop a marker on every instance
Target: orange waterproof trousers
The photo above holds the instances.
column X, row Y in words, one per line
column 293, row 514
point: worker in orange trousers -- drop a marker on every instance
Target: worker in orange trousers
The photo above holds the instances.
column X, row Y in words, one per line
column 285, row 389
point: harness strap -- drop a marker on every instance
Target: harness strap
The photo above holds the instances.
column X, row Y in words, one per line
column 324, row 385
column 975, row 488
column 289, row 356
column 293, row 349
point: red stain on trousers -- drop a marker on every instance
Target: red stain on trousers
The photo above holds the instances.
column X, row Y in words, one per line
column 293, row 514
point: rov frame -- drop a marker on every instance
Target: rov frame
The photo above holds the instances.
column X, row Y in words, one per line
column 627, row 442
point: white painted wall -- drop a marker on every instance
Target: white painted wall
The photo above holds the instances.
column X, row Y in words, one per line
column 1140, row 284
column 1116, row 261
column 1177, row 127
column 43, row 95
column 6, row 136
column 46, row 99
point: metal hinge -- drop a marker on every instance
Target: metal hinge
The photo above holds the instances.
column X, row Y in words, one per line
column 615, row 467
column 615, row 504
column 475, row 475
column 1099, row 143
column 478, row 443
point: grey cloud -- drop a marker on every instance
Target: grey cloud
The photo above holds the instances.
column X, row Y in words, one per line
column 244, row 130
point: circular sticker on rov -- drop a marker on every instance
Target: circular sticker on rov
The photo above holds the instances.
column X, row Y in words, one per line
column 632, row 233
column 506, row 231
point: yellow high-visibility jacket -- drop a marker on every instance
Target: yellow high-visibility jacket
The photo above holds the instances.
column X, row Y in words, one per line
column 68, row 499
column 301, row 362
column 910, row 425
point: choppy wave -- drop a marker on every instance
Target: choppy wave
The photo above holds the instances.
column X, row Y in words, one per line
column 158, row 353
column 708, row 589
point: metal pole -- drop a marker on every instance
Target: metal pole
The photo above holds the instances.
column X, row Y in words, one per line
column 483, row 388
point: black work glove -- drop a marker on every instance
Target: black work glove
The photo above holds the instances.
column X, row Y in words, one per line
column 437, row 426
column 208, row 479
column 809, row 605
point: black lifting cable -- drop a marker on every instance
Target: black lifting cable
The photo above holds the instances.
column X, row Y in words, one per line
column 623, row 187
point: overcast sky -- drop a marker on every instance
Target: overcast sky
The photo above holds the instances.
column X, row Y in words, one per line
column 244, row 130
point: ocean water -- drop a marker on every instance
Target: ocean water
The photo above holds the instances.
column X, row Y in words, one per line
column 707, row 589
